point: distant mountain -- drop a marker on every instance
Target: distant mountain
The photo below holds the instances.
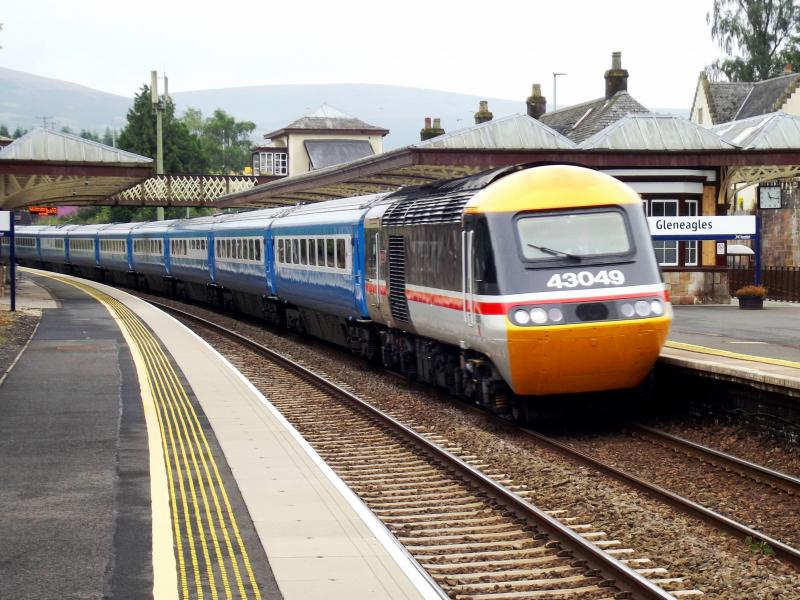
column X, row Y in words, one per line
column 24, row 98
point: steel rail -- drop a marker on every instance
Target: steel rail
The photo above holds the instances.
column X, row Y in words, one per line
column 782, row 480
column 617, row 573
column 711, row 517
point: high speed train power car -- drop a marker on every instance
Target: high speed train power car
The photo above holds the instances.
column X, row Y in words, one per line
column 502, row 287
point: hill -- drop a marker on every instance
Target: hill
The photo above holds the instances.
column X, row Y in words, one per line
column 25, row 98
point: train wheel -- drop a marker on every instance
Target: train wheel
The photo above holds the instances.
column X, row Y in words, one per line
column 520, row 410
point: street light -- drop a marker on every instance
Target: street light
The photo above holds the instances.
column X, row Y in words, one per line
column 554, row 88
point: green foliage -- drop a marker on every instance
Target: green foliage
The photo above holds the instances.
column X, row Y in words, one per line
column 224, row 140
column 89, row 135
column 758, row 37
column 4, row 131
column 123, row 214
column 19, row 132
column 182, row 152
column 759, row 546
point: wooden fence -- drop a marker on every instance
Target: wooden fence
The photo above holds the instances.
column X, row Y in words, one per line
column 782, row 283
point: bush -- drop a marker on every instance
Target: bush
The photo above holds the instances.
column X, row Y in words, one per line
column 758, row 291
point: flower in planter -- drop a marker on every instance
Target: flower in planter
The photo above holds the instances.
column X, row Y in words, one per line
column 752, row 291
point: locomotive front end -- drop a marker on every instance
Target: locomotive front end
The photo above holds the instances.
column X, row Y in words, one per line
column 578, row 299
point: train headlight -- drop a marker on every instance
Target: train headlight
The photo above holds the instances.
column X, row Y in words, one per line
column 538, row 316
column 642, row 308
column 555, row 315
column 657, row 308
column 521, row 317
column 627, row 310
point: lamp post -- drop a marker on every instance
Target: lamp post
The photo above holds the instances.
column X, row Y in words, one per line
column 555, row 106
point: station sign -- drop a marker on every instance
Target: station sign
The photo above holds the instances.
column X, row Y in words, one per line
column 5, row 221
column 43, row 211
column 741, row 227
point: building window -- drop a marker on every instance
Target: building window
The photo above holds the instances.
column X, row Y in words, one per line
column 271, row 163
column 666, row 250
column 690, row 256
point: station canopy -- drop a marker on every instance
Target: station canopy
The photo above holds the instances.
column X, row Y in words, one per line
column 500, row 142
column 648, row 132
column 53, row 167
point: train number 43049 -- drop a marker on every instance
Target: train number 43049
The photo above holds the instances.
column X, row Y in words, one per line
column 585, row 279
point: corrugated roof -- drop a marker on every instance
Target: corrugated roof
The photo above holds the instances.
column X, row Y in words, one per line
column 764, row 132
column 581, row 121
column 768, row 96
column 327, row 117
column 326, row 153
column 45, row 144
column 511, row 133
column 655, row 132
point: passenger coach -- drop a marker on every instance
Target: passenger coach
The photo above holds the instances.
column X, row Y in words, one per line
column 503, row 287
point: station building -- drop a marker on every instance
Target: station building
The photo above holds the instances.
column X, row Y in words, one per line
column 324, row 137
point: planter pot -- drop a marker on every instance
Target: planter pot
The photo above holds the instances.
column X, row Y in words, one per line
column 751, row 302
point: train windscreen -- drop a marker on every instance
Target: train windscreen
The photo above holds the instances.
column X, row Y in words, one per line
column 573, row 235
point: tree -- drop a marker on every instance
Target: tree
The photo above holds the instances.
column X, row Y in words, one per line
column 4, row 131
column 89, row 135
column 19, row 132
column 109, row 137
column 182, row 151
column 224, row 140
column 757, row 35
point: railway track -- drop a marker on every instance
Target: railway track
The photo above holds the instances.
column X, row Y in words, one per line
column 773, row 484
column 469, row 527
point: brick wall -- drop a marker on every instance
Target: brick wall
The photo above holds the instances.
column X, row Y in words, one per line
column 698, row 287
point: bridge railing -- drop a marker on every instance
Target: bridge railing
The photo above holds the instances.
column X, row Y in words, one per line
column 184, row 190
column 782, row 283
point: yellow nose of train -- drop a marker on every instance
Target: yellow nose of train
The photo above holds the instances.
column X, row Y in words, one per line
column 584, row 357
column 579, row 350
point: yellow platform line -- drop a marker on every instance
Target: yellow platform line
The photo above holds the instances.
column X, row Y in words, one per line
column 179, row 427
column 727, row 354
column 200, row 438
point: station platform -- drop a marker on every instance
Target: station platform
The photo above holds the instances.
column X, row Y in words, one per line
column 137, row 462
column 760, row 347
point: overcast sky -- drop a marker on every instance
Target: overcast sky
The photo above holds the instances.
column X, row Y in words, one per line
column 493, row 48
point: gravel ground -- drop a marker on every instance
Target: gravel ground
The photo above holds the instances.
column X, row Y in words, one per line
column 719, row 565
column 756, row 447
column 15, row 330
column 773, row 512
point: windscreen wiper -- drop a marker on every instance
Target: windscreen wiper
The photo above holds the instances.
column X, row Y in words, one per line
column 555, row 252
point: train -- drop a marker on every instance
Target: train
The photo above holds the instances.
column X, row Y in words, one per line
column 506, row 287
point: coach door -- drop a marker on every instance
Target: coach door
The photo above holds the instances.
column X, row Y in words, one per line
column 468, row 277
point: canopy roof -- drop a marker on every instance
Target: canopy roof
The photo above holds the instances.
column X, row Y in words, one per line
column 655, row 132
column 764, row 132
column 48, row 167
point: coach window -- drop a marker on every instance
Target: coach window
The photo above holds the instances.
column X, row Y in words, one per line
column 341, row 261
column 304, row 251
column 331, row 252
column 312, row 252
column 321, row 252
column 295, row 251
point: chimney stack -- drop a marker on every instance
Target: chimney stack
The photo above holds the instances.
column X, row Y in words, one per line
column 616, row 76
column 536, row 103
column 429, row 131
column 483, row 115
column 787, row 69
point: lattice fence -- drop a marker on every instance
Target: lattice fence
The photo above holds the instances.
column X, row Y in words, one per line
column 185, row 190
